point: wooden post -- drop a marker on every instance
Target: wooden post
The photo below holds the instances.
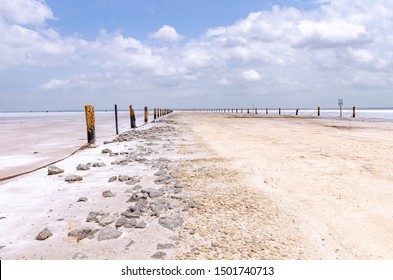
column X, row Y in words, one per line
column 248, row 111
column 155, row 114
column 132, row 117
column 267, row 111
column 353, row 112
column 116, row 122
column 297, row 111
column 256, row 110
column 241, row 111
column 279, row 111
column 319, row 111
column 90, row 124
column 236, row 111
column 146, row 115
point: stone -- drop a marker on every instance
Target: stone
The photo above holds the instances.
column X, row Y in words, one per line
column 129, row 244
column 153, row 193
column 108, row 193
column 54, row 170
column 120, row 222
column 158, row 255
column 133, row 180
column 171, row 222
column 73, row 178
column 82, row 233
column 106, row 220
column 124, row 178
column 93, row 216
column 106, row 151
column 136, row 196
column 112, row 179
column 82, row 167
column 101, row 164
column 161, row 172
column 82, row 199
column 44, row 234
column 130, row 223
column 131, row 215
column 166, row 246
column 108, row 233
column 1, row 247
column 141, row 225
column 137, row 187
column 162, row 179
column 173, row 203
column 79, row 256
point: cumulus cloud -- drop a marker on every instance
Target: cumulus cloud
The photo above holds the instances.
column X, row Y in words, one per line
column 54, row 84
column 25, row 11
column 166, row 33
column 251, row 75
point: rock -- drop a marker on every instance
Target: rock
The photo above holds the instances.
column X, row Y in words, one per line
column 124, row 178
column 166, row 246
column 108, row 194
column 112, row 179
column 173, row 203
column 93, row 216
column 106, row 151
column 130, row 223
column 153, row 193
column 53, row 170
column 1, row 247
column 158, row 255
column 44, row 234
column 136, row 196
column 131, row 215
column 82, row 199
column 73, row 178
column 161, row 172
column 113, row 154
column 162, row 179
column 133, row 180
column 137, row 187
column 79, row 256
column 101, row 164
column 82, row 167
column 120, row 222
column 106, row 220
column 129, row 244
column 171, row 222
column 80, row 234
column 141, row 225
column 108, row 233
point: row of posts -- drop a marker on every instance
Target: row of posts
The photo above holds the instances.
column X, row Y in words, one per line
column 90, row 119
column 279, row 111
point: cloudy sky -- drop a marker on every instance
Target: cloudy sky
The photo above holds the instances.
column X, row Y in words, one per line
column 61, row 55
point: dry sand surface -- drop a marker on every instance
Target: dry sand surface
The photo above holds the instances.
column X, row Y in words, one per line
column 297, row 188
column 212, row 186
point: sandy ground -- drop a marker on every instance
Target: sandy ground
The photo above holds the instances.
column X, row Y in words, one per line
column 288, row 188
column 228, row 186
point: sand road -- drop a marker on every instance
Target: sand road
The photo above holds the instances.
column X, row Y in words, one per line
column 288, row 188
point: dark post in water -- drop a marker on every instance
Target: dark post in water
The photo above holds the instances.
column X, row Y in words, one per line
column 319, row 111
column 90, row 124
column 155, row 113
column 116, row 122
column 146, row 115
column 353, row 112
column 132, row 117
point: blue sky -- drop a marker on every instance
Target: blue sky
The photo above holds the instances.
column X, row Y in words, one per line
column 61, row 55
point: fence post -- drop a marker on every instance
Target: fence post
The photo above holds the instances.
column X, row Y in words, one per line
column 132, row 117
column 319, row 111
column 297, row 111
column 353, row 112
column 279, row 111
column 248, row 111
column 155, row 114
column 116, row 121
column 90, row 124
column 267, row 111
column 146, row 115
column 256, row 111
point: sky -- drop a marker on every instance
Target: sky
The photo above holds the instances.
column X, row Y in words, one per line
column 62, row 55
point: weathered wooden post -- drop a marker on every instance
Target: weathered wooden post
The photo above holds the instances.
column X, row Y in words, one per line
column 236, row 111
column 267, row 111
column 90, row 124
column 146, row 115
column 353, row 112
column 248, row 111
column 116, row 121
column 155, row 114
column 319, row 111
column 256, row 110
column 279, row 111
column 241, row 111
column 297, row 111
column 132, row 117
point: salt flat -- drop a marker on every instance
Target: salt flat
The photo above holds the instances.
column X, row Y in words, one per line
column 239, row 187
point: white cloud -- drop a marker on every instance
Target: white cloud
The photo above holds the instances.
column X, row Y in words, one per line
column 25, row 11
column 251, row 75
column 55, row 84
column 166, row 33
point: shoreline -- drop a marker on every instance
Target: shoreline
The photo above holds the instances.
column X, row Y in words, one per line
column 213, row 186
